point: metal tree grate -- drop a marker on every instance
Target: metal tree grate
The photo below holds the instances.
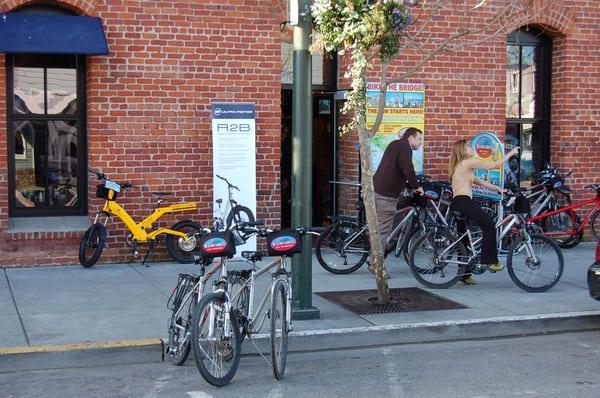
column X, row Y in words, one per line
column 364, row 302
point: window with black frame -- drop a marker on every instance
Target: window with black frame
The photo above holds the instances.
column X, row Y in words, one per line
column 528, row 77
column 46, row 130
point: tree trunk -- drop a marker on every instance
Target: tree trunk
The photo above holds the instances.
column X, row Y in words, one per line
column 383, row 290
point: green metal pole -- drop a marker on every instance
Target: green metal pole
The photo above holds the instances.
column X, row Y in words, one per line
column 302, row 163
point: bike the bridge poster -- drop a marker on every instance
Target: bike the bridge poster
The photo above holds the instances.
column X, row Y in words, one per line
column 404, row 108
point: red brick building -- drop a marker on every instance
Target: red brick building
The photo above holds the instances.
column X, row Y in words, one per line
column 142, row 112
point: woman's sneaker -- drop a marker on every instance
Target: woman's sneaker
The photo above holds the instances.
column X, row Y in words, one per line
column 497, row 267
column 468, row 280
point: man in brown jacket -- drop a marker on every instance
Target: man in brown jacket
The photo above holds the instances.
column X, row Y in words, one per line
column 394, row 174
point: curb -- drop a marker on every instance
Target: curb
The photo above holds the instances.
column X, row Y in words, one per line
column 151, row 350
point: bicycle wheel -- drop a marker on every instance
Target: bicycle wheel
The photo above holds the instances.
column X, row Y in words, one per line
column 433, row 263
column 414, row 234
column 216, row 345
column 239, row 214
column 179, row 249
column 540, row 272
column 240, row 304
column 402, row 238
column 91, row 245
column 179, row 340
column 279, row 328
column 595, row 220
column 342, row 248
column 562, row 222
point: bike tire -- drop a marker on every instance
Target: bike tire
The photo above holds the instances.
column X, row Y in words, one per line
column 94, row 238
column 279, row 329
column 550, row 279
column 180, row 250
column 210, row 309
column 595, row 221
column 421, row 262
column 331, row 254
column 401, row 239
column 183, row 351
column 410, row 241
column 239, row 213
column 569, row 241
column 241, row 304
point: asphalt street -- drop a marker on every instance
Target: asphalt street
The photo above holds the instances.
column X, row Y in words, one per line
column 560, row 365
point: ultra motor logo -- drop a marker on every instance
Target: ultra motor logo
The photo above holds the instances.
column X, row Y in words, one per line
column 214, row 245
column 283, row 243
column 484, row 147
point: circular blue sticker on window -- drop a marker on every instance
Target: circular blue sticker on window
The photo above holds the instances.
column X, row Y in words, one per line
column 283, row 243
column 214, row 245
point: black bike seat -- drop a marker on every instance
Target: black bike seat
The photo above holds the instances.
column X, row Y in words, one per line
column 219, row 201
column 253, row 256
column 159, row 194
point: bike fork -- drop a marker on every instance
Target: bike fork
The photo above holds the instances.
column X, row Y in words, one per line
column 288, row 304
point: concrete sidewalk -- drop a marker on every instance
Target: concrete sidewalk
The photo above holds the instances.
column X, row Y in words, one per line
column 123, row 306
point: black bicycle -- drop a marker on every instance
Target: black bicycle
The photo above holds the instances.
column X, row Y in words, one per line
column 344, row 246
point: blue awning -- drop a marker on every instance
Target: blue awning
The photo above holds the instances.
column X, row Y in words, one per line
column 51, row 34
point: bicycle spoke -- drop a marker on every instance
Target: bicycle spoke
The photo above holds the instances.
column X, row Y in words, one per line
column 536, row 267
column 342, row 248
column 217, row 356
column 435, row 261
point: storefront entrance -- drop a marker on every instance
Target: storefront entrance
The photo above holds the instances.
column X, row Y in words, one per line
column 323, row 156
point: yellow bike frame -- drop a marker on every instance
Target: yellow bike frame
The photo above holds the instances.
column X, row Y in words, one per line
column 139, row 231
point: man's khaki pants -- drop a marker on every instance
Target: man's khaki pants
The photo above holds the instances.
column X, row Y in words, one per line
column 385, row 207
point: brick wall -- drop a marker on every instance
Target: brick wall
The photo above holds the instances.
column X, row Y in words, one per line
column 466, row 90
column 149, row 109
column 149, row 101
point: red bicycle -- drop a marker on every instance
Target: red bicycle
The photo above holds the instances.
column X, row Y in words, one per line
column 563, row 225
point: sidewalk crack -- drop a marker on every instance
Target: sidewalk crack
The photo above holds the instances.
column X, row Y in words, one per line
column 12, row 296
column 133, row 265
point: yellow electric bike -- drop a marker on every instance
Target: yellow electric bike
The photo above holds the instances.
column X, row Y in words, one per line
column 181, row 237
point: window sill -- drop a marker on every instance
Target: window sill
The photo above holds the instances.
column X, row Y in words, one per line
column 48, row 224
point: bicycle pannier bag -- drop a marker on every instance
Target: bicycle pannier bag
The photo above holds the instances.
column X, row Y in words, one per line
column 285, row 242
column 104, row 193
column 217, row 244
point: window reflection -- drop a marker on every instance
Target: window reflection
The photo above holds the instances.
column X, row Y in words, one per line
column 528, row 76
column 62, row 163
column 28, row 90
column 62, row 91
column 513, row 82
column 30, row 178
column 45, row 149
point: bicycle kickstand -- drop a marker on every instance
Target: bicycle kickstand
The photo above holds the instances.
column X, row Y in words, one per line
column 147, row 256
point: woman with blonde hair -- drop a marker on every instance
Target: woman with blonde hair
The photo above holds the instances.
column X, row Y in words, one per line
column 462, row 174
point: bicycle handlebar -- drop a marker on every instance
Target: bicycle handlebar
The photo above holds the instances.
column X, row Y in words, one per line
column 254, row 228
column 229, row 185
column 102, row 176
column 99, row 175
